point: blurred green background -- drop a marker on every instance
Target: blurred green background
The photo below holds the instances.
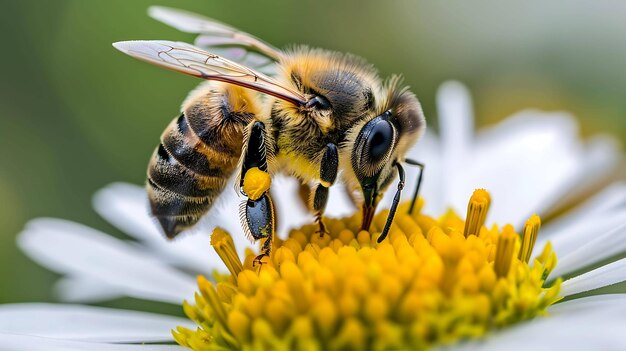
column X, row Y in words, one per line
column 75, row 114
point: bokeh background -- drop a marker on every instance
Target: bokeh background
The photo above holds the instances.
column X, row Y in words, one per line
column 75, row 114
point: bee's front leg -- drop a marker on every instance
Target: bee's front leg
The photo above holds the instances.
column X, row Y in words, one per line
column 257, row 213
column 328, row 173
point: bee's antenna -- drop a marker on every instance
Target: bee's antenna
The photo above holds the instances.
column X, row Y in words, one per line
column 394, row 204
column 419, row 182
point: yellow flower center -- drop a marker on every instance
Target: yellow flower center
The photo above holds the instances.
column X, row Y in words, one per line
column 431, row 282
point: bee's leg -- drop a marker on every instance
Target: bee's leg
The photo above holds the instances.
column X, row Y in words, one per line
column 419, row 181
column 258, row 221
column 328, row 174
column 394, row 204
column 257, row 213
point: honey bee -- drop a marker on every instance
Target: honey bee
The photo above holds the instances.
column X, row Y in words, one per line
column 310, row 113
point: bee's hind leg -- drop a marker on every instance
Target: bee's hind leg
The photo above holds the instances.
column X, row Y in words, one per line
column 328, row 173
column 257, row 213
column 258, row 222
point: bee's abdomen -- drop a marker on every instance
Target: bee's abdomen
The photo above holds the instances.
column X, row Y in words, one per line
column 181, row 143
column 188, row 172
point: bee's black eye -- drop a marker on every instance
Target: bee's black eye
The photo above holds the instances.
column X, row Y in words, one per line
column 379, row 140
column 372, row 148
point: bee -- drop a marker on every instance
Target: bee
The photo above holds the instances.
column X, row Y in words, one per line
column 314, row 114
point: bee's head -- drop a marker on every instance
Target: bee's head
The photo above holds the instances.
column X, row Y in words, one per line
column 339, row 88
column 380, row 140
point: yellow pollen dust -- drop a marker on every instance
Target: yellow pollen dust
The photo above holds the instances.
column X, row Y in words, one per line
column 433, row 281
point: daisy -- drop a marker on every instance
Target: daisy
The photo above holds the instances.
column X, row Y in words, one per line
column 531, row 163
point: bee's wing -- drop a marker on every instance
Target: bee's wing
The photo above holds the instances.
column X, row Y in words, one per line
column 188, row 59
column 221, row 39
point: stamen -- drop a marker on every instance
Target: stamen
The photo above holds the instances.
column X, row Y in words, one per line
column 225, row 248
column 504, row 251
column 529, row 237
column 476, row 212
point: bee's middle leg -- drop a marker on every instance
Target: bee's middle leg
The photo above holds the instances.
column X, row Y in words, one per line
column 328, row 174
column 257, row 213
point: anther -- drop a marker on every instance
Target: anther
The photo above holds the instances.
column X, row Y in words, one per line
column 477, row 209
column 223, row 244
column 529, row 237
column 504, row 251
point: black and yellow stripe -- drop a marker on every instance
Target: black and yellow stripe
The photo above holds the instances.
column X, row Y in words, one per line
column 198, row 153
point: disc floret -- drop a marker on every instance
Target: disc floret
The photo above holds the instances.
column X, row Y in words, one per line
column 431, row 282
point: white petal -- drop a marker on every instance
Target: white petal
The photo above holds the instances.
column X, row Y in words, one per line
column 577, row 253
column 14, row 342
column 581, row 232
column 609, row 274
column 71, row 248
column 528, row 162
column 87, row 323
column 520, row 161
column 589, row 303
column 85, row 290
column 456, row 119
column 126, row 206
column 339, row 204
column 600, row 328
column 610, row 199
column 456, row 129
column 599, row 158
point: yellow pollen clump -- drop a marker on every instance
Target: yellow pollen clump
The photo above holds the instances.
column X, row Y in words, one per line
column 256, row 182
column 428, row 283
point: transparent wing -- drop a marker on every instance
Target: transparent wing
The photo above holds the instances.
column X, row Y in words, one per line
column 221, row 39
column 188, row 59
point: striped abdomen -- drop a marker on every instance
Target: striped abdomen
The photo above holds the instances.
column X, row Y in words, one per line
column 199, row 151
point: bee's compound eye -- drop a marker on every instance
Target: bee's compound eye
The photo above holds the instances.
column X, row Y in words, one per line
column 379, row 140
